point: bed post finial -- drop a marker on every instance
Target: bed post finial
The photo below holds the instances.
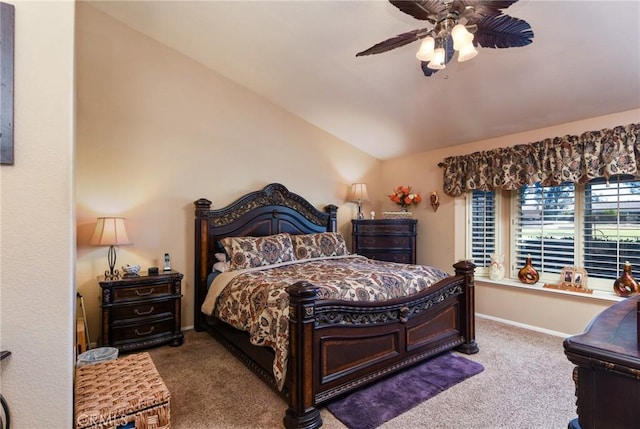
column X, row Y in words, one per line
column 466, row 269
column 333, row 217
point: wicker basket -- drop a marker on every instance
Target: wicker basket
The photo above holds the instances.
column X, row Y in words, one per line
column 127, row 392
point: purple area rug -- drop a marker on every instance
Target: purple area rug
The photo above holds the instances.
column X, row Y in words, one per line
column 370, row 406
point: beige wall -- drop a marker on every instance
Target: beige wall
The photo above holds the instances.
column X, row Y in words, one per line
column 37, row 244
column 156, row 131
column 441, row 237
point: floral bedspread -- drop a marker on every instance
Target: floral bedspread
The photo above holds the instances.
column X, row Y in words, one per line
column 256, row 300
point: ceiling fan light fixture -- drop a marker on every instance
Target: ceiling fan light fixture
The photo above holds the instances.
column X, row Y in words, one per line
column 467, row 52
column 425, row 53
column 437, row 63
column 461, row 37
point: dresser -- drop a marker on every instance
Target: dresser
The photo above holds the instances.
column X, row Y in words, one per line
column 392, row 240
column 607, row 373
column 141, row 311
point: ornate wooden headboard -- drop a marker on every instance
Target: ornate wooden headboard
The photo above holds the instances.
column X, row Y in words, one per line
column 269, row 211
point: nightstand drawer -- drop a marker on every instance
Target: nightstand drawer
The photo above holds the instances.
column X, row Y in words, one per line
column 142, row 330
column 385, row 242
column 391, row 228
column 141, row 292
column 142, row 309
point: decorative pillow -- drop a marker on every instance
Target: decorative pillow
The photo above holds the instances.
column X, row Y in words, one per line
column 308, row 246
column 250, row 252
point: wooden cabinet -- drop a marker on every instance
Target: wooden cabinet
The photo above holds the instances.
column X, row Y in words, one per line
column 607, row 358
column 141, row 311
column 392, row 240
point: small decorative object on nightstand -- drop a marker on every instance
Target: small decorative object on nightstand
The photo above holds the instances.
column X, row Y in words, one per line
column 141, row 311
column 392, row 240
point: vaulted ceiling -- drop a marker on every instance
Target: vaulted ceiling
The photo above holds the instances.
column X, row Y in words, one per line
column 584, row 62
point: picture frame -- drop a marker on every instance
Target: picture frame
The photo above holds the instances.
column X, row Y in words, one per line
column 7, row 34
column 573, row 279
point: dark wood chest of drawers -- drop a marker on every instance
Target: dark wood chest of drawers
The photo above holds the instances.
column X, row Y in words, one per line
column 607, row 374
column 141, row 311
column 392, row 240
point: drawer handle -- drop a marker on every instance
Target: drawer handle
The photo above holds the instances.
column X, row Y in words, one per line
column 143, row 313
column 144, row 294
column 140, row 334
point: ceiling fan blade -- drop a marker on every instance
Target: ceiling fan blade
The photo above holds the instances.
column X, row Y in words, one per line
column 425, row 10
column 502, row 31
column 395, row 42
column 481, row 8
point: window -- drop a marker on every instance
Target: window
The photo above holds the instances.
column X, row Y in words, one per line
column 611, row 226
column 483, row 227
column 595, row 226
column 545, row 227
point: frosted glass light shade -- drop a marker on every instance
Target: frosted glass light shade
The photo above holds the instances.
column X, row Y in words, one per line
column 437, row 63
column 425, row 53
column 467, row 52
column 460, row 36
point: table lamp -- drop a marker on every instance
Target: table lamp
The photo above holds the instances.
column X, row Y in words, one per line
column 358, row 195
column 110, row 231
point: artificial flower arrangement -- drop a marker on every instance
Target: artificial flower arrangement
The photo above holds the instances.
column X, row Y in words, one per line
column 404, row 197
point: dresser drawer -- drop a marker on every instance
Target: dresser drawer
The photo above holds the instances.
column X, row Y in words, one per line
column 384, row 242
column 141, row 292
column 142, row 330
column 401, row 257
column 386, row 228
column 142, row 309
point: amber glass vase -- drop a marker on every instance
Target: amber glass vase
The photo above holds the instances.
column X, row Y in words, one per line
column 626, row 285
column 528, row 274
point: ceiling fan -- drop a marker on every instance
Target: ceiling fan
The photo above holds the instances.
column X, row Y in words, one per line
column 456, row 25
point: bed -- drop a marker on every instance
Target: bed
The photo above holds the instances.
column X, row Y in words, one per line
column 334, row 345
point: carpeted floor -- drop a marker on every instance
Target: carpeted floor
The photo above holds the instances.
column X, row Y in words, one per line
column 526, row 384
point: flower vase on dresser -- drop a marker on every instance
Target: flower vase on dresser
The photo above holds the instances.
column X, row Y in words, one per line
column 528, row 274
column 626, row 285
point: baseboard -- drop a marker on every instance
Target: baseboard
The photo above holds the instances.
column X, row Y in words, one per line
column 524, row 326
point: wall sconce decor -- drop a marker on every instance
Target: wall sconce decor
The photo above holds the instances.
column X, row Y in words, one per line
column 110, row 231
column 359, row 194
column 435, row 200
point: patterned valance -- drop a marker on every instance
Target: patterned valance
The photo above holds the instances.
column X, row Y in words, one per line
column 552, row 161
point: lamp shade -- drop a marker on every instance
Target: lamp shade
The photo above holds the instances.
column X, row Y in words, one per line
column 425, row 53
column 437, row 63
column 110, row 231
column 467, row 52
column 358, row 193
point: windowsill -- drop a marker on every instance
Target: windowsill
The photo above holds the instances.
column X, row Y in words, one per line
column 597, row 294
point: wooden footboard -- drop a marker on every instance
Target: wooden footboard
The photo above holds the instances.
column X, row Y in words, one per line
column 336, row 347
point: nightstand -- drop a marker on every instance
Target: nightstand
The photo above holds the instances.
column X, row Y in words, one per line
column 392, row 240
column 141, row 311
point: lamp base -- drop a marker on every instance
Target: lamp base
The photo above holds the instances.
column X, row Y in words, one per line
column 112, row 273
